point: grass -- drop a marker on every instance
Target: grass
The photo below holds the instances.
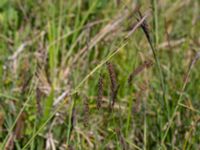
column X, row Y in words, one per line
column 99, row 74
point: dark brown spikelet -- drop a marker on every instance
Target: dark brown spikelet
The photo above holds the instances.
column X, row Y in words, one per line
column 112, row 74
column 73, row 118
column 147, row 64
column 114, row 86
column 100, row 91
column 38, row 101
column 145, row 28
column 86, row 112
column 138, row 70
column 114, row 96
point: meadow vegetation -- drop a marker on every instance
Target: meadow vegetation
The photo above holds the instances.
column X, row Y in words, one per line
column 99, row 74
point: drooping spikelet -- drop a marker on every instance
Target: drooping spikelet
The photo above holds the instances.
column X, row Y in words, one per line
column 147, row 64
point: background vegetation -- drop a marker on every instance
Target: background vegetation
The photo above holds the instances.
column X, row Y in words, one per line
column 99, row 74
